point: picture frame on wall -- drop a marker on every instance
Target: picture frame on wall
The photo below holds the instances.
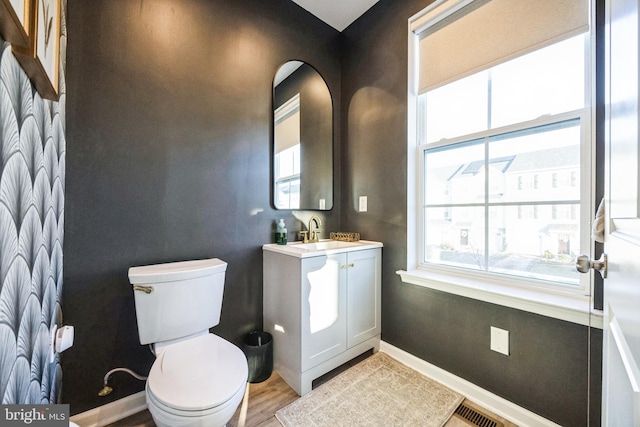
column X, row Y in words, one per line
column 41, row 59
column 16, row 21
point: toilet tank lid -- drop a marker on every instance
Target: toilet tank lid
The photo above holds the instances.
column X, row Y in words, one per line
column 173, row 271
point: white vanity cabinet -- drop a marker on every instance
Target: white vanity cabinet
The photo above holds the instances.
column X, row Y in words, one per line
column 322, row 307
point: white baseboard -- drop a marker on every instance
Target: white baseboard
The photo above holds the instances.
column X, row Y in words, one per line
column 112, row 412
column 487, row 400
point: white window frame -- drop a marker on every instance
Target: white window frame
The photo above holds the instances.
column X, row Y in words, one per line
column 532, row 296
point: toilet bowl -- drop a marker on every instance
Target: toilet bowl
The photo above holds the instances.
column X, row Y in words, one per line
column 198, row 378
column 203, row 377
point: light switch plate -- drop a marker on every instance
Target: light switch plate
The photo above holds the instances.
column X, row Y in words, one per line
column 362, row 205
column 500, row 340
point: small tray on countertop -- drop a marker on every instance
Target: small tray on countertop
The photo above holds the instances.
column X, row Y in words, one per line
column 344, row 236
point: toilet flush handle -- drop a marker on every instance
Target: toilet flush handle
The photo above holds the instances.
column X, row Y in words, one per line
column 145, row 289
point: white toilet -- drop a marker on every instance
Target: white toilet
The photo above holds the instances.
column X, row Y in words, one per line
column 197, row 379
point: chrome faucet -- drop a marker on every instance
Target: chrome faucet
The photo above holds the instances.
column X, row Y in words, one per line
column 314, row 232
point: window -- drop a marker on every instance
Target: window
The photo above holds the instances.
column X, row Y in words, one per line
column 287, row 171
column 503, row 148
column 287, row 154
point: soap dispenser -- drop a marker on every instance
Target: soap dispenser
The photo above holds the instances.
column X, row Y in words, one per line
column 281, row 233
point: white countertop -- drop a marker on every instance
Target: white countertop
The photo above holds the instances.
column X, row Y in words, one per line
column 323, row 247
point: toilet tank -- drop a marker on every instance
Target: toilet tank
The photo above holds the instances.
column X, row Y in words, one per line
column 182, row 298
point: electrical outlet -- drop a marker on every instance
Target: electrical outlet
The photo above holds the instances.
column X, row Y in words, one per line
column 362, row 205
column 500, row 340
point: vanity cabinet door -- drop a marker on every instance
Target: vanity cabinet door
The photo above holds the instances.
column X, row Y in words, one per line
column 363, row 295
column 323, row 309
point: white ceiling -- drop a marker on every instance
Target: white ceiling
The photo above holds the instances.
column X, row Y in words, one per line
column 337, row 13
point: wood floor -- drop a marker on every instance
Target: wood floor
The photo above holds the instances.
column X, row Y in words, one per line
column 258, row 408
column 262, row 400
column 260, row 404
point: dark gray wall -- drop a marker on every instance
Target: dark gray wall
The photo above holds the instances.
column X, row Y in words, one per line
column 548, row 369
column 169, row 149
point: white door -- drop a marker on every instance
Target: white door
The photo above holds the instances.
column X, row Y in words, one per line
column 621, row 352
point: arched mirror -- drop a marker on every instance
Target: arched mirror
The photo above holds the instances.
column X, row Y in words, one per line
column 302, row 139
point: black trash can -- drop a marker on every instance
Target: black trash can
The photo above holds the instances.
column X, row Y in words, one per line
column 258, row 347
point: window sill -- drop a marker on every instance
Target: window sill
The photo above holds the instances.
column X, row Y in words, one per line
column 567, row 307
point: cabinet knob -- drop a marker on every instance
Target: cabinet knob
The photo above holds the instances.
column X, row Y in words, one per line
column 348, row 265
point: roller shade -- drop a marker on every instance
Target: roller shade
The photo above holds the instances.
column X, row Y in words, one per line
column 487, row 32
column 287, row 125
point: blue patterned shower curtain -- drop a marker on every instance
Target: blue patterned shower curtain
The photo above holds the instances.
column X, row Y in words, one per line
column 32, row 183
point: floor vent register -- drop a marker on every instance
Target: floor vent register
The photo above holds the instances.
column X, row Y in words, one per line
column 475, row 417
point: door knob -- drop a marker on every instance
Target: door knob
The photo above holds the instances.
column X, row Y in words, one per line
column 584, row 264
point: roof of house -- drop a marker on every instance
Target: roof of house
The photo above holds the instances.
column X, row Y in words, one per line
column 553, row 158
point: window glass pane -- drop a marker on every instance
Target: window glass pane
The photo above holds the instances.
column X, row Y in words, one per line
column 459, row 108
column 455, row 174
column 288, row 162
column 287, row 194
column 536, row 241
column 539, row 164
column 547, row 81
column 455, row 236
column 287, row 177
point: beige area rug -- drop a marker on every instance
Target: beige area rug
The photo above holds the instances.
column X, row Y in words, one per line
column 379, row 391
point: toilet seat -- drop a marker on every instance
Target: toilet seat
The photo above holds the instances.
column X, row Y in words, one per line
column 226, row 409
column 198, row 375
